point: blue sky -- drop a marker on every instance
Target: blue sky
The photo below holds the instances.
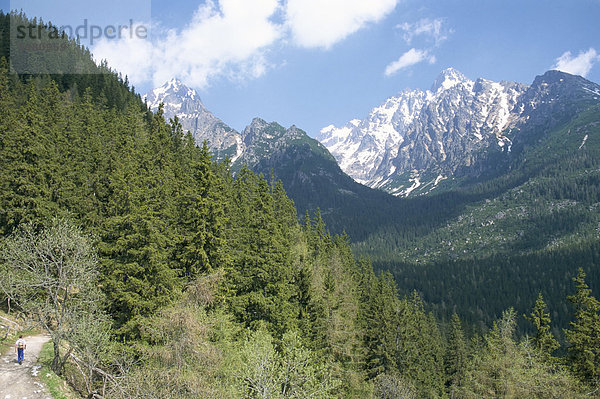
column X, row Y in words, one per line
column 318, row 62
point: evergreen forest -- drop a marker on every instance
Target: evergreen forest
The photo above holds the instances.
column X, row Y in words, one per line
column 160, row 274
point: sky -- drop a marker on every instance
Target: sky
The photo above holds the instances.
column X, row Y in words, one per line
column 312, row 63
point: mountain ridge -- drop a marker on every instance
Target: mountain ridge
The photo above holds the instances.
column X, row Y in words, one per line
column 417, row 139
column 424, row 124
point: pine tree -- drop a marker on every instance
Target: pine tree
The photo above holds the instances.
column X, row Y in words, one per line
column 379, row 304
column 26, row 195
column 140, row 275
column 194, row 207
column 544, row 340
column 8, row 154
column 584, row 333
column 456, row 356
column 420, row 349
column 258, row 284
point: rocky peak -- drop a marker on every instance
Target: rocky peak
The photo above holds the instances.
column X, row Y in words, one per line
column 256, row 124
column 263, row 140
column 553, row 84
column 261, row 131
column 554, row 91
column 176, row 86
column 555, row 76
column 294, row 132
column 447, row 79
column 183, row 101
column 552, row 98
column 176, row 96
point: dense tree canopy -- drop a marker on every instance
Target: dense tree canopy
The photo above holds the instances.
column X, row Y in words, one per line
column 210, row 285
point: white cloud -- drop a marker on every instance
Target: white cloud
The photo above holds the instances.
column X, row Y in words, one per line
column 232, row 38
column 409, row 58
column 228, row 38
column 130, row 55
column 431, row 29
column 322, row 23
column 433, row 33
column 580, row 65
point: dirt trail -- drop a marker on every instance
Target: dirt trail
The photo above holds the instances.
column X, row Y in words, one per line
column 21, row 381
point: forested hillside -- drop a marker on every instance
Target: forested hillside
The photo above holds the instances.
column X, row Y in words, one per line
column 160, row 275
column 487, row 239
column 525, row 229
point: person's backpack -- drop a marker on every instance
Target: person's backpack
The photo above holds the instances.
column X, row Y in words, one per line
column 21, row 345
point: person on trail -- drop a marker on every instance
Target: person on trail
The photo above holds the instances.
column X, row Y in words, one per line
column 20, row 347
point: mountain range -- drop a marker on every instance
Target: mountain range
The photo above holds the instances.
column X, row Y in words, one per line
column 412, row 144
column 417, row 139
column 310, row 174
column 418, row 142
column 492, row 182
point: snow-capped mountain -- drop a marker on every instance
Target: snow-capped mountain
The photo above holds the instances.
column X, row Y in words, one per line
column 361, row 147
column 411, row 144
column 256, row 144
column 184, row 102
column 418, row 138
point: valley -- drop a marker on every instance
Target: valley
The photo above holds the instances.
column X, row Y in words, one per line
column 512, row 184
column 444, row 245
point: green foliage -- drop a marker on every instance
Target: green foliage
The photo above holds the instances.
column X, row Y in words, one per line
column 380, row 307
column 401, row 338
column 504, row 368
column 392, row 386
column 211, row 287
column 420, row 348
column 259, row 278
column 543, row 340
column 292, row 373
column 456, row 356
column 584, row 333
column 201, row 353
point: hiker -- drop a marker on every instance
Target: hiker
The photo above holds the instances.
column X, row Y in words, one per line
column 20, row 346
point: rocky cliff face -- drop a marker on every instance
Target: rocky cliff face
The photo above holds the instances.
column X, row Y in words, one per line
column 262, row 140
column 184, row 102
column 363, row 146
column 419, row 138
column 413, row 143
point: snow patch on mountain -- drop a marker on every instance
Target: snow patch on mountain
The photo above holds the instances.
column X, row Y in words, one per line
column 180, row 100
column 437, row 129
column 449, row 78
column 361, row 146
column 583, row 142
